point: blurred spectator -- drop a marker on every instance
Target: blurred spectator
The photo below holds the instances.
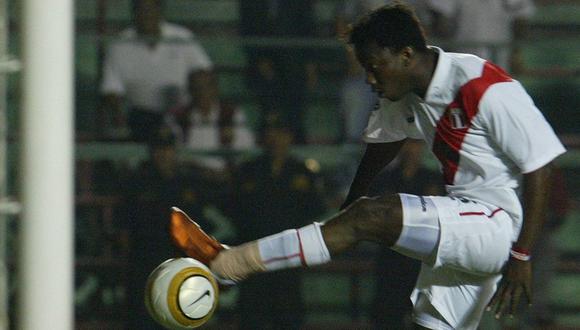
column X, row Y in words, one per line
column 150, row 192
column 396, row 274
column 208, row 123
column 274, row 192
column 280, row 76
column 356, row 97
column 147, row 67
column 487, row 28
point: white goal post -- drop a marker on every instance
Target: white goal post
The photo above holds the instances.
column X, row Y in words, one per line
column 45, row 250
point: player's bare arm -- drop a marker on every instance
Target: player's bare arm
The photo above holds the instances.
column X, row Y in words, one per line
column 518, row 273
column 375, row 158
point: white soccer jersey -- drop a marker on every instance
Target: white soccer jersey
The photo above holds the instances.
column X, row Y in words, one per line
column 481, row 125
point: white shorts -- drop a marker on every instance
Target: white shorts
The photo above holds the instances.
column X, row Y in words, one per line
column 473, row 245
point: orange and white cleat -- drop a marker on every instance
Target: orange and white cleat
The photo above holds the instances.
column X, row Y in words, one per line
column 191, row 239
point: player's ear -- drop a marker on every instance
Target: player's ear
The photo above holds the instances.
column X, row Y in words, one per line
column 406, row 54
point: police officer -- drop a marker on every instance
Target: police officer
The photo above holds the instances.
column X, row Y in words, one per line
column 273, row 192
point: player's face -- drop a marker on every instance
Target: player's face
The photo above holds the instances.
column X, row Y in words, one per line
column 386, row 71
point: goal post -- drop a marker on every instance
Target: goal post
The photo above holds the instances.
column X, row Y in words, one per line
column 46, row 257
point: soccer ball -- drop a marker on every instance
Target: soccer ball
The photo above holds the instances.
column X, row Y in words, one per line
column 181, row 293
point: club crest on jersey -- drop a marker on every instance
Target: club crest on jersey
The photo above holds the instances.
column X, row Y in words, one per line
column 457, row 118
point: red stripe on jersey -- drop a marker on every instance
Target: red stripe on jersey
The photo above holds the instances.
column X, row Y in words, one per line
column 463, row 214
column 458, row 116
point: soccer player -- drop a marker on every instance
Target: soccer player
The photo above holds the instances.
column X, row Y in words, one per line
column 490, row 140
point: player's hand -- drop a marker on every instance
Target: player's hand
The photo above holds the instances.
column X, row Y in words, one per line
column 517, row 280
column 191, row 239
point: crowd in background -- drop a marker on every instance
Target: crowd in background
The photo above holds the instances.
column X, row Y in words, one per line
column 160, row 87
column 158, row 73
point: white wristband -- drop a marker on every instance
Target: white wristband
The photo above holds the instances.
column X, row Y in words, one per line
column 520, row 255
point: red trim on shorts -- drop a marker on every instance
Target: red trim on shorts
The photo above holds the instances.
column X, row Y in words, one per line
column 301, row 253
column 463, row 214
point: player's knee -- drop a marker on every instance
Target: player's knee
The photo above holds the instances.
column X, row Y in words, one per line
column 378, row 218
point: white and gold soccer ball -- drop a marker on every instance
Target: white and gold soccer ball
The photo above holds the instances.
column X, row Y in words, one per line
column 181, row 293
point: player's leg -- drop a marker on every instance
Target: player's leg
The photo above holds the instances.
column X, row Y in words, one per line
column 378, row 219
column 373, row 219
column 406, row 223
column 454, row 288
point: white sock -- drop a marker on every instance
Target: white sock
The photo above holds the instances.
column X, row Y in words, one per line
column 288, row 249
column 293, row 248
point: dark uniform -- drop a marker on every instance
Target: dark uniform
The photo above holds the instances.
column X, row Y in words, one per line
column 150, row 193
column 268, row 201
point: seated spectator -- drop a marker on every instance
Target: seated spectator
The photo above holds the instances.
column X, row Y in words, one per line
column 147, row 68
column 356, row 99
column 208, row 123
column 281, row 78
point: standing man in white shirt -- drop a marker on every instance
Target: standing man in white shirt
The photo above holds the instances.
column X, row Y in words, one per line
column 491, row 141
column 147, row 68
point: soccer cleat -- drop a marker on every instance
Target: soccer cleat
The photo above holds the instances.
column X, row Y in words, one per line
column 191, row 239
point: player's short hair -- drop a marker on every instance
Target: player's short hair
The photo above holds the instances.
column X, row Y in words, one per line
column 392, row 26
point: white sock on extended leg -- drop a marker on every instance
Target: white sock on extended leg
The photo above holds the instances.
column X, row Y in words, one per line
column 288, row 249
column 293, row 248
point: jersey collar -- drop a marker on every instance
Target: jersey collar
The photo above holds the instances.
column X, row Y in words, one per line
column 438, row 90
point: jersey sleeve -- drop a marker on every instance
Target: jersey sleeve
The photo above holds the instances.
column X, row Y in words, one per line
column 518, row 127
column 197, row 58
column 386, row 124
